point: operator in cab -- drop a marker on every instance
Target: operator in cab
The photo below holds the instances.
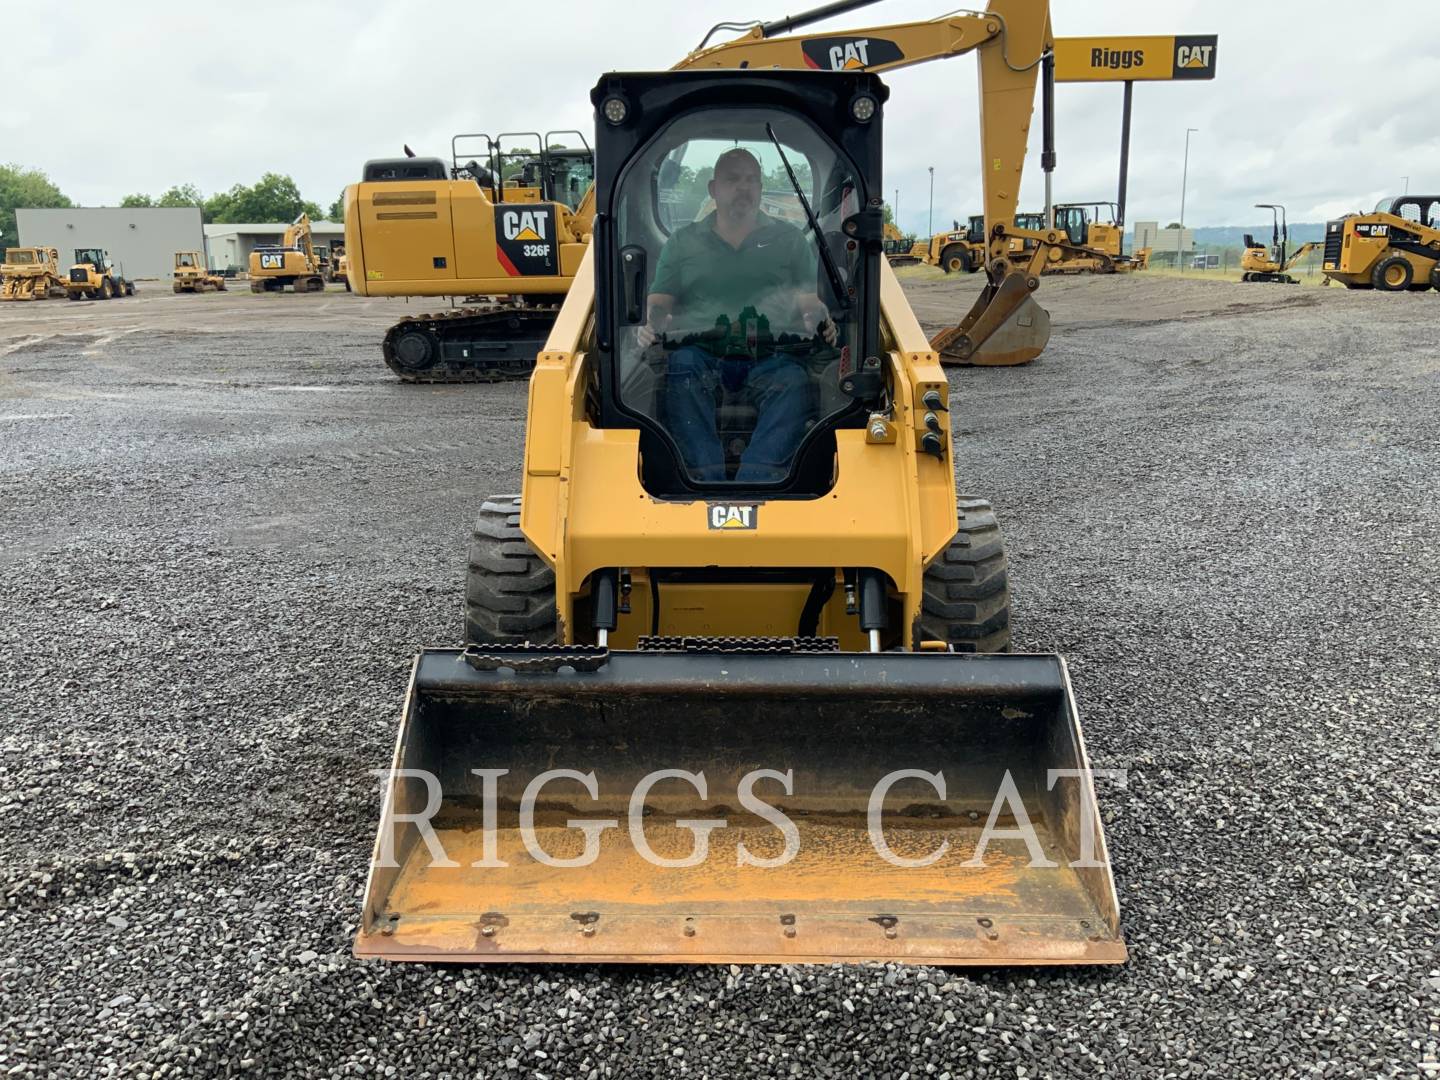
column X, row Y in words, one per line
column 734, row 280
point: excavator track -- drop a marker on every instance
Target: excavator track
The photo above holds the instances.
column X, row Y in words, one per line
column 490, row 343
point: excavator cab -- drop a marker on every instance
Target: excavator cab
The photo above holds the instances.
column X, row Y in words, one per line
column 734, row 689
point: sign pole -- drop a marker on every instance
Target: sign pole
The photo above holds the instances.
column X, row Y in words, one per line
column 1124, row 161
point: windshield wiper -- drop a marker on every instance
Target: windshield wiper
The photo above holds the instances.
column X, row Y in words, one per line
column 837, row 284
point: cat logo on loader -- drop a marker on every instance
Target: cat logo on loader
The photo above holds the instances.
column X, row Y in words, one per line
column 734, row 517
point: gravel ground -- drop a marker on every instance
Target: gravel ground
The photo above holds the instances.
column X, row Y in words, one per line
column 227, row 531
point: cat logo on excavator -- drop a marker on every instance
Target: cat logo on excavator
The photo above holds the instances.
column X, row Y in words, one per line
column 523, row 224
column 849, row 53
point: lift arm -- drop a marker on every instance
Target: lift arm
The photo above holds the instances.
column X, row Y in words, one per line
column 1300, row 252
column 1010, row 37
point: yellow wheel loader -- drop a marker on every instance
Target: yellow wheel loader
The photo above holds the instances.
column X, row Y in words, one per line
column 31, row 273
column 957, row 251
column 95, row 276
column 293, row 262
column 736, row 686
column 339, row 266
column 191, row 274
column 1260, row 263
column 1395, row 248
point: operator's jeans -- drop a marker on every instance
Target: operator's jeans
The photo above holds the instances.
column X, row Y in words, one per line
column 777, row 387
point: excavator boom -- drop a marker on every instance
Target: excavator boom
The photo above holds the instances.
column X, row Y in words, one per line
column 1005, row 325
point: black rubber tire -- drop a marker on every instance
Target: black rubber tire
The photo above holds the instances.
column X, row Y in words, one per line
column 1435, row 278
column 105, row 291
column 1381, row 269
column 509, row 590
column 954, row 259
column 967, row 590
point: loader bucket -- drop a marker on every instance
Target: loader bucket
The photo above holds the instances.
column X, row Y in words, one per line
column 460, row 873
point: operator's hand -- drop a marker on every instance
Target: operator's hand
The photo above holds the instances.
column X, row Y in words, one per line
column 822, row 325
column 646, row 336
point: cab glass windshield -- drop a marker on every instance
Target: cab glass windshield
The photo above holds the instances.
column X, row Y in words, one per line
column 734, row 334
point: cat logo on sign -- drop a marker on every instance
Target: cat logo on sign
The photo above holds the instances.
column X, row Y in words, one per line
column 1194, row 57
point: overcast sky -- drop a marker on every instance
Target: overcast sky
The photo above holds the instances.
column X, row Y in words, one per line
column 1323, row 105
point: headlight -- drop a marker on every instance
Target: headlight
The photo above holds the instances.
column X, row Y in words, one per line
column 615, row 109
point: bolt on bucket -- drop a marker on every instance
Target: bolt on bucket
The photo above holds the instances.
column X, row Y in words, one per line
column 588, row 806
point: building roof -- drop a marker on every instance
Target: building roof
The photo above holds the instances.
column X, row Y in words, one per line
column 322, row 228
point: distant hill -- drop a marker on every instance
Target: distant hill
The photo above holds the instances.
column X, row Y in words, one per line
column 1221, row 236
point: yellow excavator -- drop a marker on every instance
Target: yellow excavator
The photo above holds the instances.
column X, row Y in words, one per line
column 417, row 227
column 508, row 218
column 737, row 685
column 293, row 262
column 31, row 273
column 1273, row 264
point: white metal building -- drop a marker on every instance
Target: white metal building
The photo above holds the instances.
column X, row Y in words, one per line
column 1149, row 234
column 230, row 245
column 143, row 240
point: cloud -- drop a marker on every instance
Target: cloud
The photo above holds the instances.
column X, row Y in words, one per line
column 216, row 96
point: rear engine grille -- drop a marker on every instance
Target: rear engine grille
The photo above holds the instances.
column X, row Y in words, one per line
column 79, row 275
column 1334, row 240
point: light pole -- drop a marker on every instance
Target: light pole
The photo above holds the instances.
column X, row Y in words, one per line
column 1184, row 177
column 1407, row 185
column 895, row 210
column 930, row 231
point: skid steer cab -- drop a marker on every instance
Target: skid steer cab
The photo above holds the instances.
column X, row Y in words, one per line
column 737, row 560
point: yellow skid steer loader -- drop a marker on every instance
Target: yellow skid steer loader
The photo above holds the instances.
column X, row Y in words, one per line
column 736, row 686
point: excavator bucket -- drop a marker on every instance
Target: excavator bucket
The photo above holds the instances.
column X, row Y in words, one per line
column 580, row 805
column 1004, row 327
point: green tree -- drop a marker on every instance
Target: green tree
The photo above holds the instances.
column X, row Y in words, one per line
column 217, row 207
column 337, row 209
column 29, row 188
column 182, row 195
column 129, row 202
column 273, row 198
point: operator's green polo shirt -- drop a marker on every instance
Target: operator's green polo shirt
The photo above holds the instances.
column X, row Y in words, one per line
column 709, row 278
